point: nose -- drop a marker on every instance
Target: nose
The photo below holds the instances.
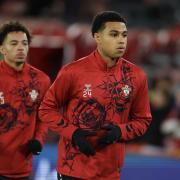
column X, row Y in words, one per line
column 20, row 47
column 121, row 40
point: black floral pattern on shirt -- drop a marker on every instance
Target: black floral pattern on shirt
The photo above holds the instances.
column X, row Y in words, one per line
column 118, row 92
column 9, row 117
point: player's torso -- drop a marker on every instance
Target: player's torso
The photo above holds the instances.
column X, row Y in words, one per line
column 19, row 98
column 100, row 96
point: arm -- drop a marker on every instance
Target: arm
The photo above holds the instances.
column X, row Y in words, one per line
column 140, row 115
column 41, row 129
column 139, row 121
column 55, row 99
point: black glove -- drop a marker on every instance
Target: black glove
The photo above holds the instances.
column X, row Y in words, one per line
column 79, row 139
column 34, row 146
column 113, row 134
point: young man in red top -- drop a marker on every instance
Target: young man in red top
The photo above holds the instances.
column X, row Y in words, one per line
column 21, row 89
column 103, row 100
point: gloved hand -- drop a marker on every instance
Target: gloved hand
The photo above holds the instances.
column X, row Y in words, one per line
column 34, row 146
column 79, row 139
column 112, row 135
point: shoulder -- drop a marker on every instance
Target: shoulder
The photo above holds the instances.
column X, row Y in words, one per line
column 75, row 66
column 135, row 69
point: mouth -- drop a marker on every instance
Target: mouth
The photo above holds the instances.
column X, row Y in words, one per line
column 121, row 48
column 20, row 56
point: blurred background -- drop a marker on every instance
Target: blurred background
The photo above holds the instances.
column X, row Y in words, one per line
column 61, row 34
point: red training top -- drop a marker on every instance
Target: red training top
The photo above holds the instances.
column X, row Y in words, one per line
column 91, row 95
column 20, row 96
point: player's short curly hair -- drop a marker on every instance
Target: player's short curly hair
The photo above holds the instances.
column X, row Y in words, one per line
column 13, row 26
column 106, row 16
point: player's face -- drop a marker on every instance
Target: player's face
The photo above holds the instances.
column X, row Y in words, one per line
column 112, row 40
column 15, row 47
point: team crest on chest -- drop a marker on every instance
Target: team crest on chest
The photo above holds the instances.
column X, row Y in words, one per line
column 126, row 90
column 33, row 94
column 87, row 92
column 2, row 98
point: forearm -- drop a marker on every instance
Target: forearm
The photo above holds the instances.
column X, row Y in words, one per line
column 56, row 122
column 41, row 131
column 134, row 128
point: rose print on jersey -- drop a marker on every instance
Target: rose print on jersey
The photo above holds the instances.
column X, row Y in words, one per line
column 8, row 118
column 71, row 153
column 26, row 95
column 117, row 92
column 89, row 114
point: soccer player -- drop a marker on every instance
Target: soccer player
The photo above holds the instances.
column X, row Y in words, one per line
column 96, row 104
column 21, row 89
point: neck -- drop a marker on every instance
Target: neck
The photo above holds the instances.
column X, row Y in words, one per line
column 109, row 61
column 18, row 66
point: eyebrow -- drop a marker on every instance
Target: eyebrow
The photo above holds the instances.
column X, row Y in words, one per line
column 125, row 31
column 17, row 40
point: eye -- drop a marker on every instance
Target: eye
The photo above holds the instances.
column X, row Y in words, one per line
column 124, row 34
column 114, row 34
column 25, row 43
column 13, row 44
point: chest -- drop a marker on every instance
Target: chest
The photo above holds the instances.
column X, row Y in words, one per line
column 111, row 89
column 19, row 89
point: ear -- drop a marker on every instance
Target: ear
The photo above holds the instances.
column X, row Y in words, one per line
column 97, row 37
column 2, row 50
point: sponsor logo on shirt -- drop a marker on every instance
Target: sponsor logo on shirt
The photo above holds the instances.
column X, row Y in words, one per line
column 33, row 94
column 2, row 98
column 87, row 92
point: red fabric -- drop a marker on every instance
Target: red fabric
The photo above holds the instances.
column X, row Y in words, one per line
column 92, row 96
column 20, row 94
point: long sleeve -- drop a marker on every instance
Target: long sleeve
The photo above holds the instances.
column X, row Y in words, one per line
column 41, row 131
column 140, row 115
column 55, row 99
column 41, row 128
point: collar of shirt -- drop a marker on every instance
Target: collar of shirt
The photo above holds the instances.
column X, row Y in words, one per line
column 101, row 63
column 8, row 69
